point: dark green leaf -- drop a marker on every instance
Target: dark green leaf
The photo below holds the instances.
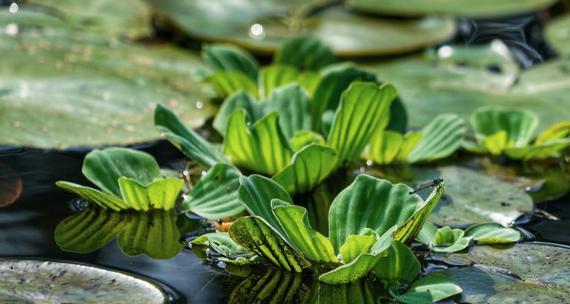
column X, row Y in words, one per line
column 227, row 57
column 305, row 53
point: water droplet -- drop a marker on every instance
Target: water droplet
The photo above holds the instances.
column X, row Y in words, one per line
column 256, row 31
column 445, row 51
column 204, row 173
column 369, row 163
column 199, row 104
column 13, row 8
column 11, row 29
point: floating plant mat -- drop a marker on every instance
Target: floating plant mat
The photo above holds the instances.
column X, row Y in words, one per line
column 535, row 272
column 35, row 281
column 116, row 18
column 468, row 8
column 261, row 27
column 557, row 33
column 60, row 88
column 462, row 79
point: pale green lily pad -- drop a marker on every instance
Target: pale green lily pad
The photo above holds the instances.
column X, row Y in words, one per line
column 535, row 272
column 462, row 79
column 114, row 18
column 261, row 27
column 36, row 281
column 468, row 8
column 472, row 197
column 60, row 88
column 557, row 33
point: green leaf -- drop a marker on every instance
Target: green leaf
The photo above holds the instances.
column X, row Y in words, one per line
column 519, row 125
column 441, row 138
column 314, row 246
column 261, row 148
column 399, row 266
column 257, row 192
column 356, row 245
column 274, row 76
column 104, row 167
column 362, row 265
column 356, row 119
column 356, row 292
column 369, row 203
column 292, row 104
column 304, row 53
column 334, row 81
column 427, row 234
column 239, row 100
column 309, row 81
column 186, row 140
column 309, row 167
column 254, row 234
column 383, row 147
column 409, row 230
column 430, row 289
column 160, row 194
column 411, row 139
column 305, row 138
column 556, row 34
column 557, row 131
column 492, row 233
column 216, row 193
column 553, row 148
column 271, row 286
column 227, row 83
column 227, row 57
column 100, row 198
column 154, row 233
column 221, row 242
column 88, row 230
column 449, row 240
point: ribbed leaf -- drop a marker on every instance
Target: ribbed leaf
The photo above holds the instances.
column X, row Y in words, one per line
column 160, row 194
column 356, row 245
column 221, row 242
column 104, row 167
column 216, row 193
column 383, row 147
column 272, row 286
column 409, row 230
column 369, row 203
column 263, row 148
column 427, row 234
column 292, row 104
column 557, row 131
column 449, row 240
column 254, row 234
column 430, row 289
column 88, row 230
column 441, row 138
column 236, row 101
column 305, row 138
column 492, row 233
column 305, row 53
column 228, row 83
column 357, row 118
column 226, row 57
column 411, row 139
column 256, row 193
column 334, row 80
column 309, row 81
column 186, row 140
column 154, row 233
column 275, row 76
column 310, row 166
column 519, row 125
column 91, row 195
column 552, row 148
column 399, row 266
column 313, row 245
column 362, row 265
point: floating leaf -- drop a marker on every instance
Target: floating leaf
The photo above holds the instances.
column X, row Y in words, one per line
column 255, row 234
column 100, row 198
column 356, row 119
column 399, row 266
column 430, row 289
column 216, row 193
column 449, row 240
column 228, row 83
column 309, row 167
column 356, row 245
column 384, row 147
column 305, row 53
column 547, row 150
column 186, row 140
column 274, row 76
column 441, row 138
column 161, row 194
column 262, row 148
column 305, row 138
column 221, row 242
column 292, row 105
column 240, row 100
column 557, row 131
column 492, row 234
column 227, row 57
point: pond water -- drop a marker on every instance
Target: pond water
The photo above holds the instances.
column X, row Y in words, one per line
column 27, row 225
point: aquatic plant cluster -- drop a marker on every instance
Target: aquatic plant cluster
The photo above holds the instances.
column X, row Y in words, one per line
column 287, row 128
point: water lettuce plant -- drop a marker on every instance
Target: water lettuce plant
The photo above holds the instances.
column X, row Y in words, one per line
column 509, row 131
column 127, row 179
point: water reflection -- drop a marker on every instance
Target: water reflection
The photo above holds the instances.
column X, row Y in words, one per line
column 10, row 185
column 154, row 233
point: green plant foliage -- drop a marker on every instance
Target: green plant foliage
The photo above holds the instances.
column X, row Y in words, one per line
column 400, row 266
column 216, row 193
column 491, row 234
column 222, row 247
column 304, row 53
column 509, row 131
column 439, row 139
column 430, row 289
column 357, row 292
column 357, row 244
column 449, row 240
column 227, row 57
column 556, row 33
column 292, row 105
column 129, row 179
column 274, row 76
column 273, row 286
column 153, row 233
column 227, row 83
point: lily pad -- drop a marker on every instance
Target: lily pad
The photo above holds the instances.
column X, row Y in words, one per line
column 557, row 33
column 60, row 88
column 261, row 27
column 461, row 79
column 468, row 8
column 36, row 281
